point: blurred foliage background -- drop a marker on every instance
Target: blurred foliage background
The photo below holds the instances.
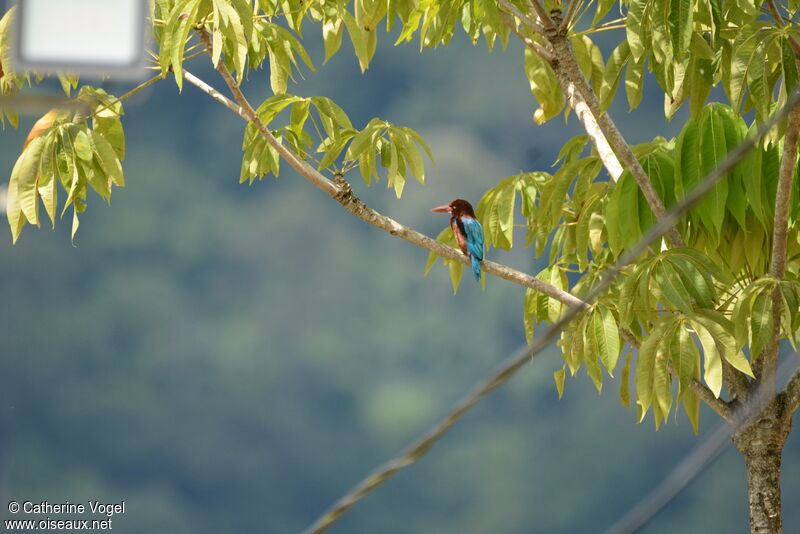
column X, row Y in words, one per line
column 229, row 358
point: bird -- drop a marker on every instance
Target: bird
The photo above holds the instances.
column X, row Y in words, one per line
column 467, row 230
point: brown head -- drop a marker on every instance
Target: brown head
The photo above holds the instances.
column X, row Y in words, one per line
column 456, row 208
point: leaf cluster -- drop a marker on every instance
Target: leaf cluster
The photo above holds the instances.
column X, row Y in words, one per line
column 70, row 149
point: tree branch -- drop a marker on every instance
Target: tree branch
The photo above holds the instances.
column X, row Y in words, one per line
column 571, row 79
column 792, row 394
column 341, row 191
column 766, row 365
column 703, row 392
column 542, row 14
column 567, row 68
column 216, row 95
column 542, row 51
column 588, row 119
column 578, row 105
column 524, row 19
column 305, row 170
column 568, row 16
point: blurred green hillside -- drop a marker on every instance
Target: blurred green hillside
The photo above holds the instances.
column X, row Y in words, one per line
column 229, row 358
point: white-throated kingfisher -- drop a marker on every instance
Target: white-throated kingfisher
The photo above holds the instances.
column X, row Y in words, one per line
column 468, row 231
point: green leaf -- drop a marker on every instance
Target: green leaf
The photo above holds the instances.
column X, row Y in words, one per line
column 624, row 381
column 636, row 26
column 75, row 222
column 360, row 39
column 646, row 367
column 761, row 324
column 662, row 379
column 713, row 151
column 559, row 377
column 411, row 154
column 496, row 210
column 82, row 145
column 613, row 72
column 25, row 174
column 681, row 24
column 722, row 329
column 554, row 308
column 529, row 315
column 445, row 236
column 175, row 34
column 107, row 158
column 691, row 405
column 634, row 82
column 712, row 361
column 544, row 86
column 359, row 144
column 672, row 287
column 700, row 47
column 603, row 334
column 456, row 270
column 48, row 189
column 695, row 282
column 745, row 50
column 685, row 357
column 603, row 7
column 332, row 36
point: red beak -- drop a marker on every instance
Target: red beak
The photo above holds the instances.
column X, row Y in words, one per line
column 442, row 209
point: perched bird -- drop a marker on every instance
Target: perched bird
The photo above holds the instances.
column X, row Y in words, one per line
column 468, row 231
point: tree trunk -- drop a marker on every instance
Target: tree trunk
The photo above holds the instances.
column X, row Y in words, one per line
column 761, row 442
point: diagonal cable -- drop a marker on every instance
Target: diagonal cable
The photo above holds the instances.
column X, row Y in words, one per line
column 420, row 446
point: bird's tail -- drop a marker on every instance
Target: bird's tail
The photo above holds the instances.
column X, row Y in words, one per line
column 476, row 268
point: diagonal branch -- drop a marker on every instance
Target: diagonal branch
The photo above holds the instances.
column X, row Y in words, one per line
column 766, row 364
column 341, row 191
column 305, row 170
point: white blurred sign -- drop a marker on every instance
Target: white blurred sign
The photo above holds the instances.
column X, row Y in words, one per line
column 82, row 36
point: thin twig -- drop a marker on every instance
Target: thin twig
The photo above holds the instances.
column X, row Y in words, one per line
column 127, row 95
column 525, row 19
column 305, row 170
column 568, row 16
column 542, row 51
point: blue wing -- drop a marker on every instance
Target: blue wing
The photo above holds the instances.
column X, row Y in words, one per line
column 474, row 232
